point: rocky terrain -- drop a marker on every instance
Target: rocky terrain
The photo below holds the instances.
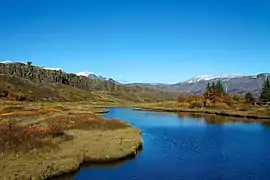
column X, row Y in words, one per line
column 20, row 81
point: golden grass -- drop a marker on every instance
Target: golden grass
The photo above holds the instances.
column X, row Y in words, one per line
column 42, row 140
column 240, row 110
column 93, row 146
column 20, row 111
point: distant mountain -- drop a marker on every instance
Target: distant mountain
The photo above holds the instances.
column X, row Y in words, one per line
column 90, row 82
column 210, row 78
column 235, row 84
column 96, row 77
column 91, row 76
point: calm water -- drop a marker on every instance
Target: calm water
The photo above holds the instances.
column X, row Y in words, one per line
column 188, row 146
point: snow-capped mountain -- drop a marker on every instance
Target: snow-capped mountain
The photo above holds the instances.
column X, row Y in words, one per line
column 95, row 77
column 91, row 75
column 235, row 84
column 86, row 74
column 208, row 78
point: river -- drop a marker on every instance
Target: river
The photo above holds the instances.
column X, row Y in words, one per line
column 186, row 146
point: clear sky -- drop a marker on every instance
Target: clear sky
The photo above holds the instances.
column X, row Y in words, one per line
column 139, row 40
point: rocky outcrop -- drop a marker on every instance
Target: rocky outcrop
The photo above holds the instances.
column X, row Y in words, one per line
column 39, row 75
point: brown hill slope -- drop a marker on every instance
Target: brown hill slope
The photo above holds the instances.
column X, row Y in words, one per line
column 19, row 81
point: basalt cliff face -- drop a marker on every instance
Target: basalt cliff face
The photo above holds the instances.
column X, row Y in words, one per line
column 34, row 83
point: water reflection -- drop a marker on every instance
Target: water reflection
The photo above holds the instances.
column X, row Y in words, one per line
column 213, row 119
column 88, row 165
column 266, row 123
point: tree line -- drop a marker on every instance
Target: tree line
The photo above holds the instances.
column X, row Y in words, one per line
column 217, row 89
column 216, row 96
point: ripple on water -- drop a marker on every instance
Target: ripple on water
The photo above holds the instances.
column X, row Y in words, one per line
column 190, row 146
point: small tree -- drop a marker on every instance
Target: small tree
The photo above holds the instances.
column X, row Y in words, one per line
column 29, row 63
column 249, row 98
column 214, row 90
column 213, row 86
column 210, row 91
column 265, row 91
column 219, row 87
column 238, row 98
column 208, row 87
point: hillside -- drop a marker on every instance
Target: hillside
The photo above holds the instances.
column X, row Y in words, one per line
column 27, row 82
column 234, row 84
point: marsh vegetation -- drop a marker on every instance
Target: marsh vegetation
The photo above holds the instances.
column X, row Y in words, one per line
column 216, row 101
column 42, row 140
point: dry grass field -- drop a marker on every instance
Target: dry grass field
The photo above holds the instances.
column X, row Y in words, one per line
column 42, row 140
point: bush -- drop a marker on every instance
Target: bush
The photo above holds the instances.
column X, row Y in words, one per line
column 208, row 103
column 249, row 98
column 20, row 138
column 237, row 98
column 183, row 104
column 244, row 108
column 227, row 99
column 182, row 97
column 82, row 121
column 14, row 96
column 196, row 104
column 55, row 128
column 221, row 105
column 195, row 98
column 212, row 95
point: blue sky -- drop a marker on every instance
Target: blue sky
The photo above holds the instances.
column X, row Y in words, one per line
column 139, row 40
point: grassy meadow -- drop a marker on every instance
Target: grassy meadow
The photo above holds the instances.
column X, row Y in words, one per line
column 225, row 107
column 40, row 140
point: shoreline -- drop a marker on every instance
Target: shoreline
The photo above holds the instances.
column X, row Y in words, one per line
column 213, row 112
column 91, row 162
column 103, row 111
column 87, row 147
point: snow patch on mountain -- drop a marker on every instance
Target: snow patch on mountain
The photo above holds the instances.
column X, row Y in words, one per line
column 208, row 78
column 86, row 74
column 10, row 62
column 91, row 75
column 53, row 69
column 6, row 62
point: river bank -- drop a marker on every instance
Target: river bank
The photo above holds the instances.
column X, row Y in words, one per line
column 42, row 142
column 87, row 146
column 228, row 113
